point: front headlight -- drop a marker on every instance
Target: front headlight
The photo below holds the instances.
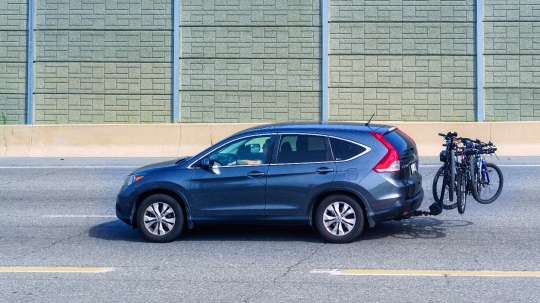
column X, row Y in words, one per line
column 132, row 179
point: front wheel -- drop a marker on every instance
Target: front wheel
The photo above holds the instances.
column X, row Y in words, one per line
column 488, row 184
column 160, row 218
column 339, row 219
column 461, row 191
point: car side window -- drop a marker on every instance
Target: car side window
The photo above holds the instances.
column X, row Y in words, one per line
column 344, row 150
column 302, row 149
column 245, row 151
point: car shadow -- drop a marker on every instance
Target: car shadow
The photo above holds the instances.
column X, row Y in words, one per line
column 415, row 228
column 115, row 231
column 250, row 233
column 119, row 231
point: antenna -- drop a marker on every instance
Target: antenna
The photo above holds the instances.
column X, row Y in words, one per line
column 367, row 123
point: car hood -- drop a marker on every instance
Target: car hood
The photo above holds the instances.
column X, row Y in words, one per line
column 156, row 166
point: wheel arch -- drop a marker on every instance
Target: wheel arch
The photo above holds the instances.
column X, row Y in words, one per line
column 163, row 191
column 368, row 220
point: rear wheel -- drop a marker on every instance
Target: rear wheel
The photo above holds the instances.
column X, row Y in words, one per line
column 339, row 219
column 462, row 191
column 488, row 184
column 440, row 190
column 160, row 218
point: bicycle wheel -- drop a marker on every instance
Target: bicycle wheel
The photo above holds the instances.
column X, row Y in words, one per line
column 452, row 176
column 461, row 193
column 440, row 190
column 488, row 184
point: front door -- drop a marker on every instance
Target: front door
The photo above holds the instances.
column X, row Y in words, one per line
column 233, row 188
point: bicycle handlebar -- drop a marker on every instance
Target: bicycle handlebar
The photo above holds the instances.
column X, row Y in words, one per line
column 449, row 135
column 471, row 147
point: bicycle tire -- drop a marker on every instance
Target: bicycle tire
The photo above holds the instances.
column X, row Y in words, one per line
column 461, row 190
column 483, row 192
column 440, row 189
column 472, row 169
column 452, row 181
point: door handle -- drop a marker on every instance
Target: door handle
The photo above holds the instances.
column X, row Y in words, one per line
column 256, row 174
column 324, row 170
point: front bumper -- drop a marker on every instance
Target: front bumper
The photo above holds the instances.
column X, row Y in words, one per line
column 124, row 208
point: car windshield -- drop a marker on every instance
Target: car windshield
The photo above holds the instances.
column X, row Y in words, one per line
column 246, row 151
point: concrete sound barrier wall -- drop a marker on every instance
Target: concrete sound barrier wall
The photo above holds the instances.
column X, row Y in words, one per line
column 172, row 140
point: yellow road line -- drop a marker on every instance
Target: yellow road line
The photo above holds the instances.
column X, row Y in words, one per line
column 462, row 273
column 56, row 269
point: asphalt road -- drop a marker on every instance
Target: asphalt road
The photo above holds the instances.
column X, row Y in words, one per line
column 58, row 214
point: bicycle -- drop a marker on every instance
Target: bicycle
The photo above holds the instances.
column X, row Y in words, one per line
column 475, row 176
column 467, row 151
column 445, row 178
column 487, row 181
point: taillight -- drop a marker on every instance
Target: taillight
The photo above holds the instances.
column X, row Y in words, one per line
column 390, row 161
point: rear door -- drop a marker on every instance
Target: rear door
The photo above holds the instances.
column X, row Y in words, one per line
column 408, row 155
column 301, row 169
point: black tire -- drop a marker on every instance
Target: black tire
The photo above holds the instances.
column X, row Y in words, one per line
column 472, row 170
column 440, row 190
column 160, row 218
column 452, row 176
column 485, row 192
column 461, row 193
column 339, row 219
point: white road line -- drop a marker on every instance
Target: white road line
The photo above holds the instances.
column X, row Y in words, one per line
column 456, row 273
column 519, row 165
column 78, row 216
column 78, row 167
column 22, row 269
column 500, row 165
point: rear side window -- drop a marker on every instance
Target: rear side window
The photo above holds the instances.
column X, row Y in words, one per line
column 345, row 150
column 401, row 142
column 302, row 149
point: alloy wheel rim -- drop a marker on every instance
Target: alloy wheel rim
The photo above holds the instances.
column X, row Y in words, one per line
column 339, row 218
column 159, row 218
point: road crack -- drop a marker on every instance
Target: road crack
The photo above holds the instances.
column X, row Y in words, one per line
column 290, row 268
column 287, row 271
column 51, row 245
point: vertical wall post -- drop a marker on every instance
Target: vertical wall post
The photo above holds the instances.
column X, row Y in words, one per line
column 176, row 62
column 30, row 65
column 324, row 63
column 480, row 111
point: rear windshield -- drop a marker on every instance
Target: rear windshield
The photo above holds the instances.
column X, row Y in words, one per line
column 400, row 142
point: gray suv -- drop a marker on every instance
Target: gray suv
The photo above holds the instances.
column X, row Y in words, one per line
column 336, row 177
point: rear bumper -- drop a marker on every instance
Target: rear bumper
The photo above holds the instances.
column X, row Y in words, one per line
column 399, row 209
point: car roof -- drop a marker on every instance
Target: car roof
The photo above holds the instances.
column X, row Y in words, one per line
column 319, row 127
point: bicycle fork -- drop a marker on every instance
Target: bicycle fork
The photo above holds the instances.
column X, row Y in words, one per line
column 485, row 171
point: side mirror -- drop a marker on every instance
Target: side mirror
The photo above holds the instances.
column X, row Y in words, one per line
column 205, row 163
